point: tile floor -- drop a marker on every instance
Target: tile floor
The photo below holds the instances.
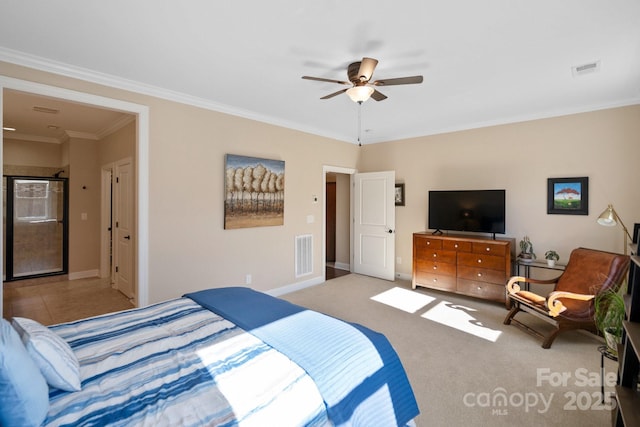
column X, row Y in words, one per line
column 62, row 301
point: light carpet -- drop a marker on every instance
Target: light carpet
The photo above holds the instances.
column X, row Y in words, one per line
column 467, row 368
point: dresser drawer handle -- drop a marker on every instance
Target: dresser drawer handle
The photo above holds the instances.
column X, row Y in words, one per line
column 479, row 274
column 479, row 261
column 435, row 280
column 455, row 246
column 435, row 267
column 488, row 249
column 479, row 288
column 428, row 243
column 435, row 255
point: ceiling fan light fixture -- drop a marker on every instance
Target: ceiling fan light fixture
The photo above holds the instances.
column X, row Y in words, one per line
column 360, row 93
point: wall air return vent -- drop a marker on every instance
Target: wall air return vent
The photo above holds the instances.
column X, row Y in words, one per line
column 46, row 110
column 304, row 255
column 589, row 68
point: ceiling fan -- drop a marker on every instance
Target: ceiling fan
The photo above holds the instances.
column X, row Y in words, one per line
column 362, row 87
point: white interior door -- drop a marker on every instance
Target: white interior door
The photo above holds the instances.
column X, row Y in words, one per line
column 124, row 228
column 374, row 224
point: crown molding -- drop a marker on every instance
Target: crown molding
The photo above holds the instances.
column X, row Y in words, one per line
column 33, row 138
column 82, row 135
column 116, row 126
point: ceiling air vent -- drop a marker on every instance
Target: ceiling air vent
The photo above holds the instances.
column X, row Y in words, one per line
column 45, row 110
column 589, row 68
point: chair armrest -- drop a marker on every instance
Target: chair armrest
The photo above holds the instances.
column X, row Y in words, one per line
column 513, row 287
column 555, row 305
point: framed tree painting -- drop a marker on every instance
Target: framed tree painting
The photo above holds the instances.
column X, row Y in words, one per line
column 254, row 192
column 568, row 196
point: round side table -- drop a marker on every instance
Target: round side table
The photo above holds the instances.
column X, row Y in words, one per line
column 605, row 352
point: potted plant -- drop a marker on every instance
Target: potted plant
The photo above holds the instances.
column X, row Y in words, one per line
column 551, row 257
column 609, row 314
column 526, row 250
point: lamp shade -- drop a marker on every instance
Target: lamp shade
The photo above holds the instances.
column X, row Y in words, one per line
column 360, row 93
column 608, row 217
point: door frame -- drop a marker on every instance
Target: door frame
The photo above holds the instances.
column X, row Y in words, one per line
column 346, row 171
column 142, row 162
column 106, row 218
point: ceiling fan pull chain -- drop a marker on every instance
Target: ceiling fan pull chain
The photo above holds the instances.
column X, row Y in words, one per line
column 359, row 123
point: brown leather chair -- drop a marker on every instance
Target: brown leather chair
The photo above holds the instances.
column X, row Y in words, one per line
column 570, row 305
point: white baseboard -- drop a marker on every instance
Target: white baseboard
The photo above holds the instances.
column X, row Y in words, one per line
column 342, row 266
column 295, row 287
column 84, row 274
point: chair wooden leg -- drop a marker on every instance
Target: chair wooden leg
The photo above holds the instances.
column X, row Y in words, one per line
column 548, row 340
column 514, row 310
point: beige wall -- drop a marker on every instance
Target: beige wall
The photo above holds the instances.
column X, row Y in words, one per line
column 84, row 198
column 189, row 249
column 602, row 145
column 119, row 145
column 31, row 153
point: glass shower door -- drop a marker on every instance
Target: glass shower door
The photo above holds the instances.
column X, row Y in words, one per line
column 36, row 227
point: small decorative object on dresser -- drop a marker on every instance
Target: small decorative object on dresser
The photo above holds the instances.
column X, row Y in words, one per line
column 526, row 250
column 551, row 256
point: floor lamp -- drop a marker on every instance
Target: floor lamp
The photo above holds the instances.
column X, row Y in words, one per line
column 609, row 218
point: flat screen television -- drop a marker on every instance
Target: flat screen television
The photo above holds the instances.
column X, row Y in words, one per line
column 478, row 211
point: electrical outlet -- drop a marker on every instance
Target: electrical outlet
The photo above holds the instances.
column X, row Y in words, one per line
column 247, row 279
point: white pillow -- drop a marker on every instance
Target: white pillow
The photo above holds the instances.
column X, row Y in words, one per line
column 24, row 395
column 52, row 354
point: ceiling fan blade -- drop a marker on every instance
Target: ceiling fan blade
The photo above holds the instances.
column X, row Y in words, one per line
column 320, row 79
column 331, row 95
column 366, row 69
column 378, row 96
column 399, row 81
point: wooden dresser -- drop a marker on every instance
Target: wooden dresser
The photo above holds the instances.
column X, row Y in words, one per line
column 468, row 265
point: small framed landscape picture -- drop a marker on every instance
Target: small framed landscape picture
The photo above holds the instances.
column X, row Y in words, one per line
column 399, row 195
column 568, row 196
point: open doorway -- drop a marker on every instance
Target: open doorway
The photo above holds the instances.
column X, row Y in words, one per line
column 337, row 222
column 140, row 142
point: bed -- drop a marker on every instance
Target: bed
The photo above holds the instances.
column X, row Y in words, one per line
column 221, row 357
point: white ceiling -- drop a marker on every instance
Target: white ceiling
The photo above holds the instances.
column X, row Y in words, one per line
column 484, row 62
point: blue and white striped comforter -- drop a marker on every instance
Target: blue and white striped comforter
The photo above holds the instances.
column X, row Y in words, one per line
column 178, row 364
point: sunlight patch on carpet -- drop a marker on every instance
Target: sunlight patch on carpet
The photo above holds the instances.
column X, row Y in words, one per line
column 403, row 299
column 461, row 318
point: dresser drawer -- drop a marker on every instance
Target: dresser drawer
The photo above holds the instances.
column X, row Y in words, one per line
column 438, row 256
column 482, row 289
column 423, row 242
column 436, row 281
column 480, row 260
column 436, row 267
column 489, row 248
column 456, row 245
column 482, row 274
